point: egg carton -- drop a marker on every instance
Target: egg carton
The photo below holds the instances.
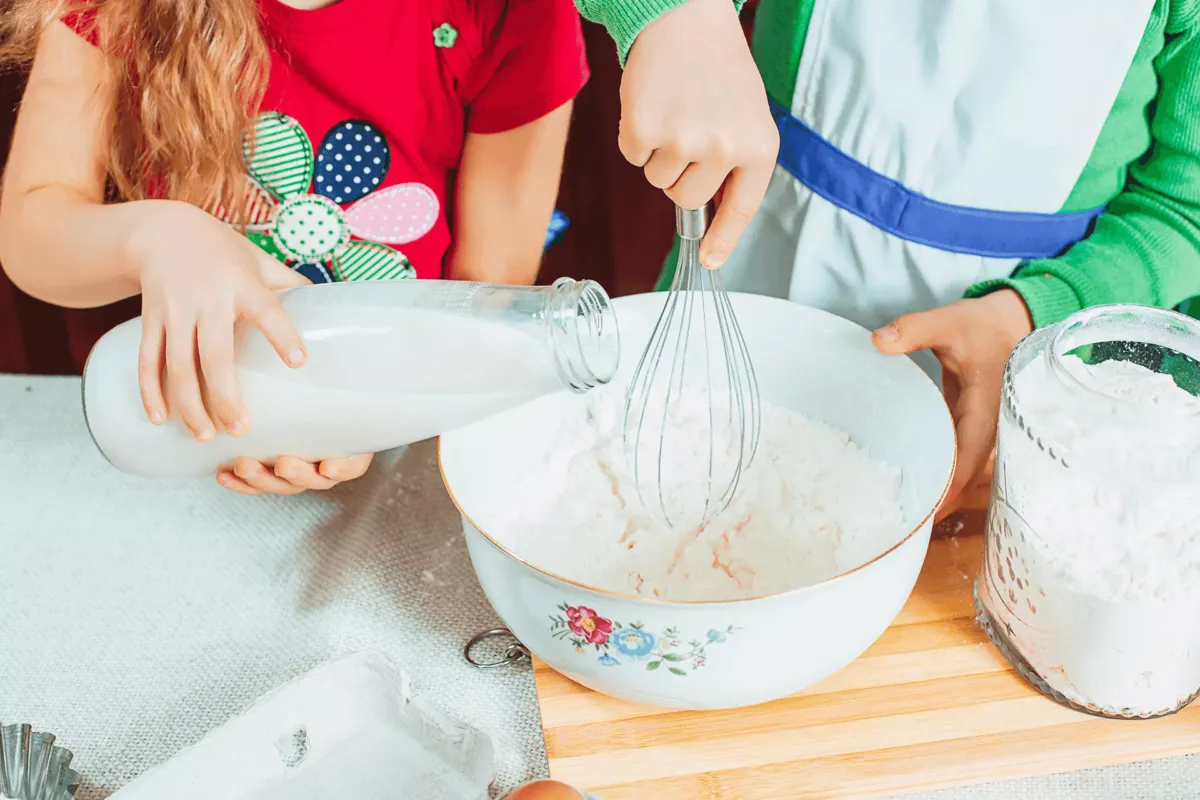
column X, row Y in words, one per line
column 32, row 767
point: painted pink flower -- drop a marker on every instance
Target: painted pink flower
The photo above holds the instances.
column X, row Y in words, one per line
column 584, row 622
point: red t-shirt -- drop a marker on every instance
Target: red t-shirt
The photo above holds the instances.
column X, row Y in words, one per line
column 366, row 111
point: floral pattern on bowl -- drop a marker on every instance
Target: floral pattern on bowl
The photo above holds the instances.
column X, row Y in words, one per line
column 619, row 644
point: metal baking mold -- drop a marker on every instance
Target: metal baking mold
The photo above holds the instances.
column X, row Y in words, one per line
column 33, row 768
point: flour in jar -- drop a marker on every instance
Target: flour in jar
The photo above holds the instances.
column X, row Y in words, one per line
column 1093, row 555
column 1124, row 521
column 812, row 505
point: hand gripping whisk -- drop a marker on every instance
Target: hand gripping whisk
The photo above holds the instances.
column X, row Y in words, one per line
column 692, row 413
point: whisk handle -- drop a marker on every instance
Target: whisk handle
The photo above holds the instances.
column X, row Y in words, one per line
column 691, row 224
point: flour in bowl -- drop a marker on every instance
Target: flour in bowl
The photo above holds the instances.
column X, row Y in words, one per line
column 812, row 505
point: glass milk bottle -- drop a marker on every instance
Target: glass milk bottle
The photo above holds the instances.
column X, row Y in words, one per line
column 389, row 363
column 1090, row 583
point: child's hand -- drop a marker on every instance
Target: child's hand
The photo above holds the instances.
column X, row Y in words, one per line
column 973, row 339
column 198, row 277
column 291, row 475
column 694, row 115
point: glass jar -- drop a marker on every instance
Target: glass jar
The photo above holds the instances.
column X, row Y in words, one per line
column 1090, row 581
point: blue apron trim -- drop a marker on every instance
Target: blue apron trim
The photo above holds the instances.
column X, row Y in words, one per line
column 890, row 206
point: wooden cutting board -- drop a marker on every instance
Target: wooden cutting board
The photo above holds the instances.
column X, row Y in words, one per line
column 930, row 705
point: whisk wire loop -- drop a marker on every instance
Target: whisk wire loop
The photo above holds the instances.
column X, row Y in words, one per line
column 697, row 315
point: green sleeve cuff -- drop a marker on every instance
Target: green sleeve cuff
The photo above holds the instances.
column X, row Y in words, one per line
column 1049, row 298
column 626, row 19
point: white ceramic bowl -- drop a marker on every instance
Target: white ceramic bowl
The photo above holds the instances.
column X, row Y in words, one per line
column 753, row 650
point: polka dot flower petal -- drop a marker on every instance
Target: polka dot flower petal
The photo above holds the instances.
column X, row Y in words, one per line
column 267, row 244
column 310, row 228
column 396, row 215
column 351, row 162
column 297, row 198
column 316, row 273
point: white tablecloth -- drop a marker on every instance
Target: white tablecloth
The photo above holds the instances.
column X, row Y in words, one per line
column 136, row 615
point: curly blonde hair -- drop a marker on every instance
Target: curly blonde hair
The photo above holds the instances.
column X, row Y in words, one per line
column 189, row 77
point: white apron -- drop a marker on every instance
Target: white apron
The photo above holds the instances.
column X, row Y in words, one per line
column 993, row 105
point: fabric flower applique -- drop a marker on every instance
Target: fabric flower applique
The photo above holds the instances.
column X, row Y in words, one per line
column 296, row 211
column 445, row 35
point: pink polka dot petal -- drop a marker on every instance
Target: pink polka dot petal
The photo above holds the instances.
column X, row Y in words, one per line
column 395, row 215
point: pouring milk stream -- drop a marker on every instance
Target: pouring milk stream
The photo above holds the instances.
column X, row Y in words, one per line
column 389, row 363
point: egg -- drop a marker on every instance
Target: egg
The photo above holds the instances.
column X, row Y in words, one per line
column 545, row 790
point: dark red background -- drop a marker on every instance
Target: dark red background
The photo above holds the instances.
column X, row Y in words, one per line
column 620, row 228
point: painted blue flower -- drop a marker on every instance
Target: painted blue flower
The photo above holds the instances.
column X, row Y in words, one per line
column 716, row 636
column 634, row 642
column 608, row 661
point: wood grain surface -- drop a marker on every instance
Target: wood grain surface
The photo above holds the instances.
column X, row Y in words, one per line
column 932, row 704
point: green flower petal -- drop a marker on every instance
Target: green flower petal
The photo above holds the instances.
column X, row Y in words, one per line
column 267, row 244
column 309, row 228
column 280, row 155
column 368, row 261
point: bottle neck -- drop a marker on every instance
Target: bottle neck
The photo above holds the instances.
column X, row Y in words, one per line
column 581, row 331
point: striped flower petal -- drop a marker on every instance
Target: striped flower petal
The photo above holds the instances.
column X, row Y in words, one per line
column 368, row 261
column 280, row 156
column 352, row 161
column 260, row 206
column 395, row 215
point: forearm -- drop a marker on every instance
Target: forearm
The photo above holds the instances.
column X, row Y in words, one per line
column 500, row 232
column 626, row 19
column 1143, row 250
column 507, row 184
column 69, row 251
column 472, row 260
column 59, row 241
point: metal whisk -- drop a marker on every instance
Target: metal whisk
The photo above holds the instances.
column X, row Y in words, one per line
column 692, row 413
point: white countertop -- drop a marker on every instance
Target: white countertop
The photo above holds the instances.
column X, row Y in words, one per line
column 136, row 615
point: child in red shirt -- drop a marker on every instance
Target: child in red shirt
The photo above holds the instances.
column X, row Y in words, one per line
column 327, row 140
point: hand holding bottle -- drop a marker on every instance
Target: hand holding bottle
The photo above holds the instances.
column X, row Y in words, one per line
column 199, row 277
column 291, row 475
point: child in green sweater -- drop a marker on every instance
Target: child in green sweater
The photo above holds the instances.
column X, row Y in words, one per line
column 950, row 175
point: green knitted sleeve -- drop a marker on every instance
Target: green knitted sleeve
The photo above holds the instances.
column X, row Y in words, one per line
column 1145, row 248
column 625, row 19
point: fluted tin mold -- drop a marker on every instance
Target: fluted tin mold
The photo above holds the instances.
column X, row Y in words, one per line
column 33, row 768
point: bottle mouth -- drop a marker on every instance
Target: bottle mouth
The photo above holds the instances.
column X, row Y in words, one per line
column 584, row 337
column 1161, row 341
